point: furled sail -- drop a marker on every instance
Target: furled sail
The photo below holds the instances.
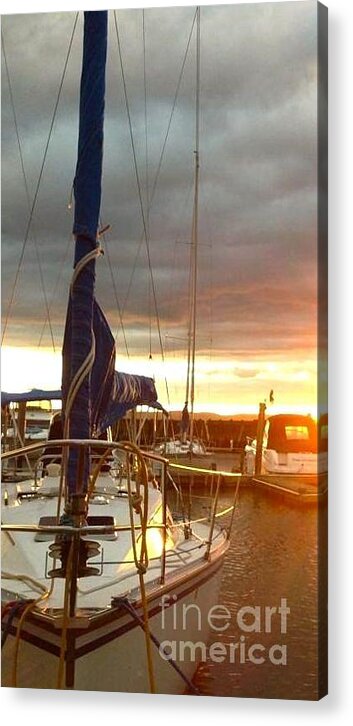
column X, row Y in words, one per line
column 113, row 393
column 93, row 393
column 78, row 339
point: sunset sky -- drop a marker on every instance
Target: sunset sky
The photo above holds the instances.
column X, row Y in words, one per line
column 257, row 275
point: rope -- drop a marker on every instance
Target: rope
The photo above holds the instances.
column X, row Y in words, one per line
column 27, row 579
column 106, row 247
column 177, row 488
column 141, row 562
column 203, row 519
column 147, row 176
column 9, row 612
column 78, row 378
column 76, row 383
column 173, row 109
column 68, row 245
column 145, row 106
column 27, row 609
column 124, row 602
column 232, row 474
column 32, row 604
column 96, row 472
column 80, row 374
column 9, row 307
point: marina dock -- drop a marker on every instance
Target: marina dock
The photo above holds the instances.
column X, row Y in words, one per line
column 301, row 487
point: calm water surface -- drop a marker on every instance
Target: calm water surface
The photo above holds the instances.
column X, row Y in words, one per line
column 273, row 555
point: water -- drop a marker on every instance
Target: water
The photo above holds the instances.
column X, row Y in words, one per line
column 273, row 555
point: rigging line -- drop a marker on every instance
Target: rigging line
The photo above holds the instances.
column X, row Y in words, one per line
column 141, row 204
column 189, row 333
column 69, row 241
column 154, row 188
column 150, row 319
column 106, row 249
column 9, row 307
column 173, row 108
column 178, row 240
column 146, row 175
column 162, row 152
column 26, row 187
column 146, row 125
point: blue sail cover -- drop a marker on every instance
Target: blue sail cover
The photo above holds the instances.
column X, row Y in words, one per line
column 113, row 397
column 128, row 392
column 35, row 394
column 87, row 191
column 112, row 393
column 104, row 395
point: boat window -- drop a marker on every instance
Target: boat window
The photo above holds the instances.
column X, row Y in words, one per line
column 297, row 432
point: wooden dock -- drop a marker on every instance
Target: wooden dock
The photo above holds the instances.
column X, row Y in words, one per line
column 302, row 487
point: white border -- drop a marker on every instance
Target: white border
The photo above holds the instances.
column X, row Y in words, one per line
column 55, row 707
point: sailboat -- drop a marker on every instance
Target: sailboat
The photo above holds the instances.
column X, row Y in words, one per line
column 101, row 588
column 190, row 460
column 187, row 445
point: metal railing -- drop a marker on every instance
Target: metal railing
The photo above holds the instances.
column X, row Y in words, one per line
column 114, row 448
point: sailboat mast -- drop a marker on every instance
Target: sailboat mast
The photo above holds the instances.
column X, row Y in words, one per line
column 79, row 341
column 194, row 241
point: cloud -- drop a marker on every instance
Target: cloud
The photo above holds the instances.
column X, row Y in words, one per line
column 245, row 372
column 258, row 199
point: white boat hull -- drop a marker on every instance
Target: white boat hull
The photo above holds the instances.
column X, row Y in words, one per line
column 293, row 463
column 112, row 656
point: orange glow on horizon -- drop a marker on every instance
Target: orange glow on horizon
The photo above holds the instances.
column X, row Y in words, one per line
column 223, row 386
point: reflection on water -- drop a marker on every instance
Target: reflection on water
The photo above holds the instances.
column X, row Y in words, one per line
column 273, row 555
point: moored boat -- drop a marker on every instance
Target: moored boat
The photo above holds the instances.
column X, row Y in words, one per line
column 291, row 459
column 98, row 578
column 89, row 631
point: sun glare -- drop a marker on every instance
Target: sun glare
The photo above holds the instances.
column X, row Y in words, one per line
column 220, row 389
column 25, row 368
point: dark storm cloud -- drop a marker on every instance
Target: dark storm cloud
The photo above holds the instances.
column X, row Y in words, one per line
column 257, row 285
